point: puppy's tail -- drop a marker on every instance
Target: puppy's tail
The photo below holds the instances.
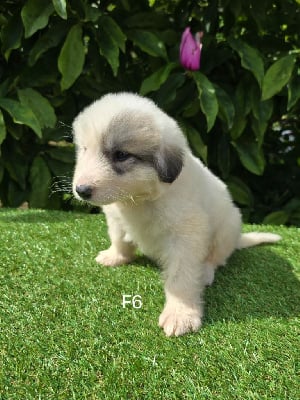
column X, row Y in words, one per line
column 255, row 238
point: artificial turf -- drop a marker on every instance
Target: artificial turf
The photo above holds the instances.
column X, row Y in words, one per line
column 64, row 333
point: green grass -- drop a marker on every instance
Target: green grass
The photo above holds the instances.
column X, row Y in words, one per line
column 65, row 335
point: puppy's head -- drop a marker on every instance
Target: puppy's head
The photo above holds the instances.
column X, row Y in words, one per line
column 127, row 149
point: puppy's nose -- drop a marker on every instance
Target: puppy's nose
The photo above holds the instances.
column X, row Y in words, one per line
column 84, row 191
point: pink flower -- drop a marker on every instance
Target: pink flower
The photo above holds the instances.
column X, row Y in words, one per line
column 190, row 49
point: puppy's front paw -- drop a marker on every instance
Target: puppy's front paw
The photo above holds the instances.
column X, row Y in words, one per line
column 111, row 258
column 179, row 319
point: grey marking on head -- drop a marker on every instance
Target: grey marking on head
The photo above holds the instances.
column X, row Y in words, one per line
column 131, row 132
column 136, row 133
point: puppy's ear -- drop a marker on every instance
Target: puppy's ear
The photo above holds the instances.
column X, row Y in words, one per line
column 168, row 163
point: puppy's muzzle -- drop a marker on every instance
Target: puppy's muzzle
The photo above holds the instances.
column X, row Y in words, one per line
column 84, row 191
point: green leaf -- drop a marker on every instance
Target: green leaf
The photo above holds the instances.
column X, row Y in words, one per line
column 17, row 168
column 294, row 218
column 276, row 218
column 208, row 99
column 226, row 106
column 35, row 15
column 43, row 74
column 71, row 58
column 259, row 128
column 5, row 86
column 195, row 140
column 51, row 38
column 65, row 154
column 242, row 99
column 239, row 125
column 293, row 92
column 277, row 76
column 2, row 128
column 91, row 13
column 61, row 170
column 191, row 109
column 109, row 49
column 11, row 35
column 167, row 93
column 1, row 171
column 113, row 31
column 251, row 156
column 15, row 194
column 250, row 58
column 40, row 106
column 21, row 114
column 61, row 8
column 40, row 181
column 154, row 81
column 149, row 43
column 147, row 20
column 262, row 110
column 293, row 205
column 223, row 155
column 240, row 192
column 292, row 208
column 243, row 105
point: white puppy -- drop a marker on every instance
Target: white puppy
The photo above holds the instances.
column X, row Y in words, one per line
column 133, row 160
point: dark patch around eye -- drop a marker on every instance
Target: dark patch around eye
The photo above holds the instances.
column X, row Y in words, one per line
column 121, row 160
column 121, row 156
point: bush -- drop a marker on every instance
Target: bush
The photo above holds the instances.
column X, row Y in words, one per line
column 240, row 112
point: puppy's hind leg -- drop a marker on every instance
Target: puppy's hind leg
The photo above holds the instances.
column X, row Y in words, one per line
column 223, row 245
column 121, row 250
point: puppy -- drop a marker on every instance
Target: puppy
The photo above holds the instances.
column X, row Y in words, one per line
column 133, row 160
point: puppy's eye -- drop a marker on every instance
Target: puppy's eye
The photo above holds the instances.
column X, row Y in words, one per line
column 121, row 156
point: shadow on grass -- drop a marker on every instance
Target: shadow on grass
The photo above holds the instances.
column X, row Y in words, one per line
column 256, row 283
column 38, row 216
column 142, row 261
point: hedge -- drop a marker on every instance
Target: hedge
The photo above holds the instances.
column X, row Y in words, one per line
column 240, row 111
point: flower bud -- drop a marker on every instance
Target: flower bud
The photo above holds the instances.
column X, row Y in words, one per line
column 190, row 49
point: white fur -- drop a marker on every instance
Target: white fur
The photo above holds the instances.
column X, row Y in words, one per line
column 189, row 226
